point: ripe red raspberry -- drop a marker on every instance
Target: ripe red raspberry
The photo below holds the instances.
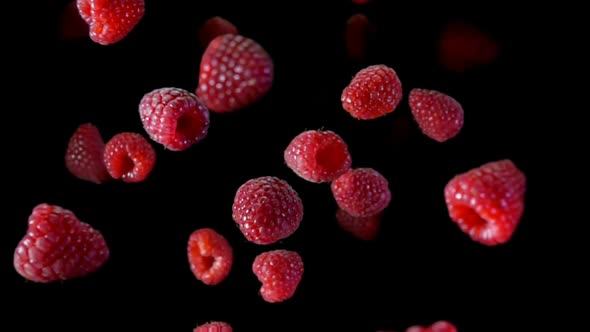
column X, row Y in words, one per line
column 267, row 210
column 58, row 247
column 487, row 202
column 438, row 115
column 318, row 156
column 84, row 155
column 280, row 272
column 440, row 326
column 130, row 157
column 356, row 35
column 462, row 47
column 111, row 20
column 71, row 25
column 364, row 228
column 214, row 327
column 174, row 117
column 372, row 93
column 210, row 256
column 362, row 192
column 235, row 72
column 215, row 27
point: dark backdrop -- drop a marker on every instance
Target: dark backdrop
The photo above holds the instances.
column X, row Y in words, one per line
column 421, row 268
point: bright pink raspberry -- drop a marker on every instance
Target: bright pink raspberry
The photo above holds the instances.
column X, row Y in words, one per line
column 174, row 117
column 361, row 192
column 372, row 93
column 210, row 256
column 267, row 209
column 318, row 156
column 111, row 20
column 438, row 115
column 440, row 326
column 84, row 155
column 130, row 157
column 214, row 327
column 487, row 202
column 364, row 228
column 235, row 72
column 215, row 27
column 58, row 246
column 280, row 272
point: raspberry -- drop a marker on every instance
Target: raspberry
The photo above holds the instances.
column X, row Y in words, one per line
column 58, row 247
column 111, row 20
column 130, row 157
column 360, row 2
column 280, row 272
column 318, row 156
column 215, row 27
column 361, row 192
column 210, row 256
column 214, row 327
column 356, row 35
column 84, row 155
column 364, row 228
column 71, row 25
column 267, row 210
column 462, row 47
column 372, row 93
column 440, row 326
column 174, row 117
column 487, row 202
column 235, row 72
column 438, row 115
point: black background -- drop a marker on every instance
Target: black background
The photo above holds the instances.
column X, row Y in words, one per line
column 422, row 268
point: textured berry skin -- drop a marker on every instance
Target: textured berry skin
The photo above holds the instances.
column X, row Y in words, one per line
column 58, row 247
column 235, row 72
column 129, row 157
column 372, row 93
column 210, row 256
column 356, row 36
column 215, row 27
column 438, row 115
column 267, row 209
column 280, row 272
column 214, row 327
column 84, row 155
column 440, row 326
column 111, row 20
column 318, row 156
column 363, row 228
column 487, row 202
column 462, row 47
column 361, row 192
column 174, row 117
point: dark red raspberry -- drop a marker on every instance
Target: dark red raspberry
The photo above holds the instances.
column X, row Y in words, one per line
column 438, row 115
column 440, row 326
column 318, row 156
column 130, row 157
column 111, row 20
column 462, row 47
column 210, row 256
column 372, row 93
column 364, row 228
column 280, row 272
column 215, row 27
column 214, row 327
column 487, row 202
column 84, row 155
column 356, row 36
column 267, row 210
column 362, row 192
column 71, row 25
column 235, row 72
column 58, row 247
column 174, row 117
